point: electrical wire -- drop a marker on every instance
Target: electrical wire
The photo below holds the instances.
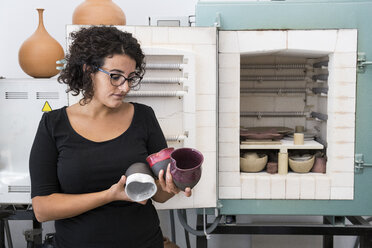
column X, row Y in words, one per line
column 197, row 232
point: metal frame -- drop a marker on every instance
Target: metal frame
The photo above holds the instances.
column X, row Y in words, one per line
column 33, row 236
column 332, row 225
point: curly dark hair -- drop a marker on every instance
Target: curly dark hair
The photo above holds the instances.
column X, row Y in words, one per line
column 89, row 48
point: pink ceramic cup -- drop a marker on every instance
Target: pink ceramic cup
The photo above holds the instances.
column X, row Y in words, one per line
column 160, row 160
column 185, row 167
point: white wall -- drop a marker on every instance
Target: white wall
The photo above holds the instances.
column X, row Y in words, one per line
column 19, row 19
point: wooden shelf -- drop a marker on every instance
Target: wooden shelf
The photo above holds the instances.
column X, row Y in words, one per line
column 285, row 145
column 29, row 79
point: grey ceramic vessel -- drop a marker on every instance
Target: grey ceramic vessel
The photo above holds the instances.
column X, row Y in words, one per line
column 140, row 184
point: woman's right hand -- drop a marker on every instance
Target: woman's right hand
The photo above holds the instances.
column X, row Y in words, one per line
column 117, row 192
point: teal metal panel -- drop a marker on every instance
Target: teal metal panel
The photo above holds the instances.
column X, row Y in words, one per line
column 308, row 15
column 284, row 14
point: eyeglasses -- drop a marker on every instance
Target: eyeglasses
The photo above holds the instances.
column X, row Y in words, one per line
column 117, row 79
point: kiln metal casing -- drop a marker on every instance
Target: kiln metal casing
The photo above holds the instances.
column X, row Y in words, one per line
column 22, row 103
column 307, row 15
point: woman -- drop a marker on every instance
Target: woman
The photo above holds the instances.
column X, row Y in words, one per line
column 81, row 152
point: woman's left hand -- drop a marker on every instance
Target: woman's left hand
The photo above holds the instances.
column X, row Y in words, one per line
column 168, row 185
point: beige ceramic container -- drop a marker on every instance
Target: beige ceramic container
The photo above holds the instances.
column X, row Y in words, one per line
column 253, row 162
column 39, row 53
column 283, row 163
column 301, row 166
column 299, row 129
column 298, row 138
column 98, row 12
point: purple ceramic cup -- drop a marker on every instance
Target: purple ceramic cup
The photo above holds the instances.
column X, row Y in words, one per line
column 185, row 167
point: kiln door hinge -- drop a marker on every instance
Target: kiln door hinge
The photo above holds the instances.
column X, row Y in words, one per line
column 217, row 20
column 362, row 63
column 360, row 164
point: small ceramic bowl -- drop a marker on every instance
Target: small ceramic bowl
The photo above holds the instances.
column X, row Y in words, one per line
column 250, row 155
column 253, row 162
column 301, row 166
column 140, row 184
column 303, row 157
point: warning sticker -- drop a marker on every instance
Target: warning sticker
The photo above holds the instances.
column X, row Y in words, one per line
column 46, row 107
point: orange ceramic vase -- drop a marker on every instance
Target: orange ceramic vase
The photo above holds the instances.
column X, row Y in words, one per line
column 98, row 12
column 39, row 53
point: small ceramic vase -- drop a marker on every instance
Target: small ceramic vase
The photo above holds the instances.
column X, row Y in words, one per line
column 140, row 184
column 39, row 53
column 319, row 165
column 98, row 12
column 160, row 160
column 185, row 167
column 272, row 167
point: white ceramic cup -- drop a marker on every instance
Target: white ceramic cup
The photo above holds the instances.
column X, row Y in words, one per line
column 140, row 184
column 140, row 187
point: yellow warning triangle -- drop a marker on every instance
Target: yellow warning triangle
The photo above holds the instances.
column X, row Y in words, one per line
column 46, row 107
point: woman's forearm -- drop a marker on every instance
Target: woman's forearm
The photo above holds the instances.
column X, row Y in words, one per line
column 60, row 206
